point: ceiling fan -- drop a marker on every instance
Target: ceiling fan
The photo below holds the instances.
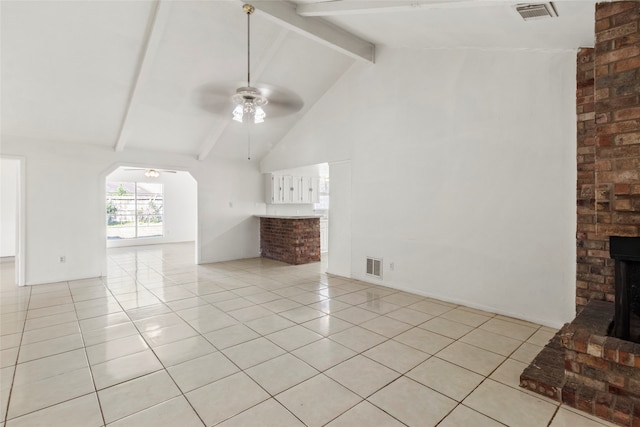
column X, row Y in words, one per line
column 246, row 102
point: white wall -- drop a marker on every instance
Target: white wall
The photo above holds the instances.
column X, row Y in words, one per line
column 9, row 169
column 65, row 203
column 463, row 174
column 180, row 206
column 230, row 193
column 340, row 219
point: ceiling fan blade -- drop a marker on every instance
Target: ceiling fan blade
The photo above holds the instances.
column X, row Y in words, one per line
column 145, row 169
column 289, row 105
column 216, row 98
column 214, row 103
column 281, row 98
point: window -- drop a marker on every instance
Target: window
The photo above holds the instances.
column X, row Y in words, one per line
column 134, row 210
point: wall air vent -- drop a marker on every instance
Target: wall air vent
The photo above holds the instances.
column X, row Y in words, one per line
column 374, row 267
column 530, row 12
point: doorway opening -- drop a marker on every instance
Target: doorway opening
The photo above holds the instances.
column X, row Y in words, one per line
column 145, row 206
column 12, row 217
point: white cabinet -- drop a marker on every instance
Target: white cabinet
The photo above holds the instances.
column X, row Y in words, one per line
column 291, row 189
column 309, row 186
column 275, row 189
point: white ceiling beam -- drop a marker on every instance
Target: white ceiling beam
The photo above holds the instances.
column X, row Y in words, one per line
column 155, row 29
column 337, row 8
column 215, row 133
column 317, row 29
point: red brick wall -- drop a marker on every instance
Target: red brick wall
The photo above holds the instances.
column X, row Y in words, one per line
column 608, row 128
column 590, row 262
column 294, row 241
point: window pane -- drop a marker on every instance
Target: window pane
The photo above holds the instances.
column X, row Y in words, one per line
column 150, row 210
column 134, row 210
column 120, row 210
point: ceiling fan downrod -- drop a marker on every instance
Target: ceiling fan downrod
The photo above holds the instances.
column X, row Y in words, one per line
column 249, row 100
column 248, row 9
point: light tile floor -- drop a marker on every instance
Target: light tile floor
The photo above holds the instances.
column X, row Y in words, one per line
column 163, row 342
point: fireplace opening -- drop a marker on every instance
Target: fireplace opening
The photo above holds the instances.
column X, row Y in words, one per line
column 626, row 253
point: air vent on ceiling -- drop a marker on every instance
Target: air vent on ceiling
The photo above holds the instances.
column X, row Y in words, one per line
column 531, row 12
column 374, row 267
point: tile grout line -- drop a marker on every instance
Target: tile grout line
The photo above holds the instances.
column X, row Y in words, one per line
column 219, row 351
column 86, row 355
column 156, row 292
column 240, row 370
column 15, row 365
column 68, row 351
column 159, row 360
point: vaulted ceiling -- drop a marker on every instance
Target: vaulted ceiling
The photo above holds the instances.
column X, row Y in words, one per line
column 157, row 75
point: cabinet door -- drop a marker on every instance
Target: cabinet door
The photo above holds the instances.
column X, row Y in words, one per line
column 305, row 194
column 275, row 189
column 309, row 189
column 282, row 189
column 314, row 189
column 292, row 189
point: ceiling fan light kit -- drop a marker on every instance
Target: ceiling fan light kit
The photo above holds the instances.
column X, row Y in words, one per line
column 249, row 101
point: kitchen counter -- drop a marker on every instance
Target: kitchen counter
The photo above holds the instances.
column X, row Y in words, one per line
column 290, row 216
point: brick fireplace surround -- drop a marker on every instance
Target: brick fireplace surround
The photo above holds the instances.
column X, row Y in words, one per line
column 582, row 366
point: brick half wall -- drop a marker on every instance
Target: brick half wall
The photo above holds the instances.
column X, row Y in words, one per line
column 291, row 240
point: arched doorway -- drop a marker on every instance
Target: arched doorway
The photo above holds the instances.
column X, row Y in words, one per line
column 146, row 205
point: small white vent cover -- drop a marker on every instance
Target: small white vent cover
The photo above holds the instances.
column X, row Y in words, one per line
column 374, row 267
column 530, row 12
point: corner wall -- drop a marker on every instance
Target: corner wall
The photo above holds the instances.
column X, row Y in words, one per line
column 462, row 174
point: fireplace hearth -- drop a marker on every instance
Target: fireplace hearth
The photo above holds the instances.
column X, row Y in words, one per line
column 593, row 363
column 585, row 368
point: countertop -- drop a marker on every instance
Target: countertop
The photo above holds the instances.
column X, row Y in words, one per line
column 290, row 216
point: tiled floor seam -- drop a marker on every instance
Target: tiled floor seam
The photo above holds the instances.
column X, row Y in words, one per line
column 86, row 355
column 149, row 373
column 15, row 365
column 182, row 393
column 487, row 377
column 249, row 267
column 244, row 371
column 554, row 415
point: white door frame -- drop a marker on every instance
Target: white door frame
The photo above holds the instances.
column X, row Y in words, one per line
column 21, row 220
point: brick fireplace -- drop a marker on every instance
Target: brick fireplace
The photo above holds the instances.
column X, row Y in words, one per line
column 583, row 366
column 608, row 152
